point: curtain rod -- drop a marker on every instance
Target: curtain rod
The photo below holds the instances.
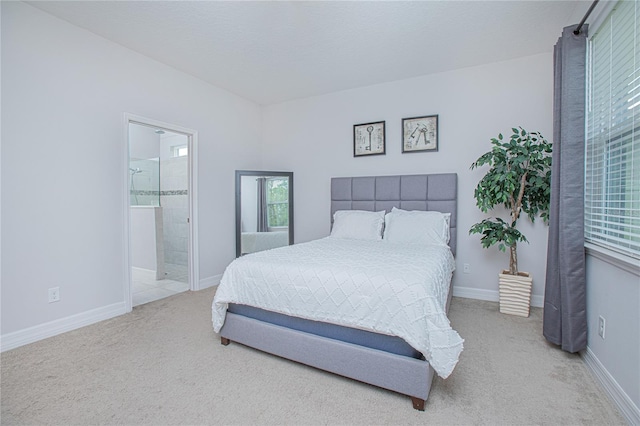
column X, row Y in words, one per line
column 577, row 30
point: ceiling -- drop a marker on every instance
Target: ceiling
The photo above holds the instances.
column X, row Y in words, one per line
column 274, row 51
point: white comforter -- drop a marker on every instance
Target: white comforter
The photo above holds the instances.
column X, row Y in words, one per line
column 395, row 289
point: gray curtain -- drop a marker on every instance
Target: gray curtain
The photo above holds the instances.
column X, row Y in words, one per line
column 263, row 223
column 565, row 316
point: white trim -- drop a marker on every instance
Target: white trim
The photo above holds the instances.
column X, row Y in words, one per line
column 126, row 218
column 149, row 272
column 619, row 397
column 476, row 293
column 599, row 14
column 616, row 259
column 59, row 326
column 490, row 295
column 210, row 281
column 537, row 300
column 194, row 265
column 193, row 255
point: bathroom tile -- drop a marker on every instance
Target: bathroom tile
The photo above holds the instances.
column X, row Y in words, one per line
column 175, row 286
column 163, row 288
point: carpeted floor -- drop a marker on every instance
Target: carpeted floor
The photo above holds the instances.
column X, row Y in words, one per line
column 162, row 364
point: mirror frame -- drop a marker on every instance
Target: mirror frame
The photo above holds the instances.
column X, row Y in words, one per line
column 257, row 173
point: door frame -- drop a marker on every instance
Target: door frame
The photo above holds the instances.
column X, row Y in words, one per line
column 192, row 190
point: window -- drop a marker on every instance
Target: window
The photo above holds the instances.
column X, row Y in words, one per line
column 179, row 151
column 277, row 202
column 612, row 156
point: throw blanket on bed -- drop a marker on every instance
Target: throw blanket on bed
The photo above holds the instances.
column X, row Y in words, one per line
column 395, row 289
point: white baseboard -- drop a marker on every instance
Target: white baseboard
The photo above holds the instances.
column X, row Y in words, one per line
column 62, row 325
column 627, row 408
column 490, row 295
column 210, row 281
column 537, row 301
column 143, row 270
column 52, row 328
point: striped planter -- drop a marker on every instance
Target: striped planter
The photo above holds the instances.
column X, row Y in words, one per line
column 515, row 293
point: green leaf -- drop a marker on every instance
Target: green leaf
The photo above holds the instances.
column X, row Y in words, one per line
column 524, row 154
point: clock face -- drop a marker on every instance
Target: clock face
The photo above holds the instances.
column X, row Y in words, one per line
column 368, row 139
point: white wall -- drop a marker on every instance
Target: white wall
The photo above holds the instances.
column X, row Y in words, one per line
column 146, row 142
column 174, row 177
column 64, row 95
column 144, row 247
column 313, row 137
column 614, row 294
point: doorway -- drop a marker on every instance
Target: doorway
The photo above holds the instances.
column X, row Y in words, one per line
column 160, row 207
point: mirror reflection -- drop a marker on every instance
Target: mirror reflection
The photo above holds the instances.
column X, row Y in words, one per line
column 264, row 210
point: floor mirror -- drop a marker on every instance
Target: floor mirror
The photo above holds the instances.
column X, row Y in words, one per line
column 264, row 210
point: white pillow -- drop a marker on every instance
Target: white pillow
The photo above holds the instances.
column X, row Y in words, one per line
column 423, row 227
column 447, row 216
column 358, row 225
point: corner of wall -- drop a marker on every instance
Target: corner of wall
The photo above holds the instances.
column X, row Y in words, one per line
column 211, row 281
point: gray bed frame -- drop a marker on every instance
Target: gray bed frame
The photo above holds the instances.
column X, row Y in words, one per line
column 402, row 374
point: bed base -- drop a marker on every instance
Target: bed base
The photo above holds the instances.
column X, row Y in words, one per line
column 398, row 373
column 405, row 375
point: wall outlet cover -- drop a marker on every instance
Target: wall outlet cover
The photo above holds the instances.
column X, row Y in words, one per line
column 54, row 294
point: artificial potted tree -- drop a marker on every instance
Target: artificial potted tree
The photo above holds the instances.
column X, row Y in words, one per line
column 519, row 178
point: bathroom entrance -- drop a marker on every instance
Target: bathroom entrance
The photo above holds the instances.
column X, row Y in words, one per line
column 160, row 206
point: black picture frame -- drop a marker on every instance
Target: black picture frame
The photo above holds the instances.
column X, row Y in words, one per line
column 420, row 134
column 369, row 139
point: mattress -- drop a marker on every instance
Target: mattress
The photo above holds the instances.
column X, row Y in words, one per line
column 392, row 289
column 368, row 339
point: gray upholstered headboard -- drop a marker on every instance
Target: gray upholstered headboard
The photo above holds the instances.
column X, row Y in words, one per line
column 437, row 192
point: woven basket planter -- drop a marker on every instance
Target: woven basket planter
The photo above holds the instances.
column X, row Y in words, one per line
column 515, row 293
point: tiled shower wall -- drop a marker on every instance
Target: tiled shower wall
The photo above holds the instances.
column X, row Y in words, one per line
column 174, row 201
column 144, row 186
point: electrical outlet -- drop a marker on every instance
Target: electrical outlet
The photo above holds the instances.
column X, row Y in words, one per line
column 466, row 268
column 54, row 294
column 601, row 324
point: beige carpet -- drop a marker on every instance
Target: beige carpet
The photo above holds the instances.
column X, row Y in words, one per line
column 162, row 364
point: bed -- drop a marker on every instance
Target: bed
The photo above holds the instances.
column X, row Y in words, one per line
column 397, row 337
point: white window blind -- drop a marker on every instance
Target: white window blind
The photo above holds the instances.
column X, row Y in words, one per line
column 612, row 161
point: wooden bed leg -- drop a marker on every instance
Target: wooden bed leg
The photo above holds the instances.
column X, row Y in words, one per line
column 224, row 341
column 418, row 403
